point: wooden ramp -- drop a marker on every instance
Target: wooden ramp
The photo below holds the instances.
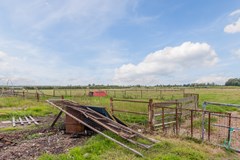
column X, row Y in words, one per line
column 97, row 122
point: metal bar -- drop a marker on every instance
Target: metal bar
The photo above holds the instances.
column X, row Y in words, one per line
column 222, row 104
column 191, row 123
column 163, row 127
column 229, row 125
column 203, row 123
column 209, row 125
column 99, row 132
column 223, row 126
column 55, row 120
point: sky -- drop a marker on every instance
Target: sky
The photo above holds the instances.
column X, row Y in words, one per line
column 122, row 42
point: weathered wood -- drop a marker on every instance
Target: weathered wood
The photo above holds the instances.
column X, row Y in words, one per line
column 21, row 121
column 94, row 129
column 124, row 100
column 160, row 124
column 33, row 120
column 132, row 112
column 13, row 122
column 28, row 121
column 55, row 120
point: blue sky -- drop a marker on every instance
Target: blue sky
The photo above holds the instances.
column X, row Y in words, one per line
column 125, row 42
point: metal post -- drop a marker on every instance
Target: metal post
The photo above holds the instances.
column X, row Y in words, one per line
column 209, row 125
column 229, row 125
column 176, row 120
column 111, row 106
column 203, row 125
column 191, row 123
column 141, row 94
column 37, row 94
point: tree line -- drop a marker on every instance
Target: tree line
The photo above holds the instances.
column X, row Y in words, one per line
column 233, row 82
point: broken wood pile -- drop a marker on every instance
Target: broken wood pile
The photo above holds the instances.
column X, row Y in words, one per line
column 97, row 122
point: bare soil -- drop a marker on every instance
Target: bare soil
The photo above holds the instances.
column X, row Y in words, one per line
column 30, row 144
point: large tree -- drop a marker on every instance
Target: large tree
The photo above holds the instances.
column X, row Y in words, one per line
column 233, row 82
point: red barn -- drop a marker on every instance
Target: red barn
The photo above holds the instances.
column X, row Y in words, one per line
column 97, row 94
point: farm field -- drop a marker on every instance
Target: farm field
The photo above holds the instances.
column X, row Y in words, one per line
column 97, row 147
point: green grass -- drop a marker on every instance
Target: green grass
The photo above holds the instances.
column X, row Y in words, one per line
column 18, row 107
column 98, row 148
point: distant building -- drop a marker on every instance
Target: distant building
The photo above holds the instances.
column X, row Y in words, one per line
column 97, row 94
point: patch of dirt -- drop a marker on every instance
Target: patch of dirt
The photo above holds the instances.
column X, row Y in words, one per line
column 30, row 144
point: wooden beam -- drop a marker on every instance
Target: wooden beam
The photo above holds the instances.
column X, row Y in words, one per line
column 55, row 120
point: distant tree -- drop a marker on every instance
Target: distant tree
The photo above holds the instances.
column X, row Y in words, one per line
column 233, row 82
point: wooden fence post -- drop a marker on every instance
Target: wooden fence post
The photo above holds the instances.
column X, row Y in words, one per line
column 192, row 123
column 176, row 119
column 111, row 106
column 163, row 123
column 37, row 95
column 151, row 115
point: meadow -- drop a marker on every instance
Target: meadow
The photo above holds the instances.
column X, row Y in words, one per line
column 98, row 147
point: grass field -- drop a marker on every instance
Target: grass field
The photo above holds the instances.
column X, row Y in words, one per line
column 98, row 147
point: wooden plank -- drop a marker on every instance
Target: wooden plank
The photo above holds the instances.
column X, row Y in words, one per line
column 156, row 125
column 13, row 122
column 132, row 112
column 33, row 120
column 6, row 122
column 28, row 121
column 21, row 121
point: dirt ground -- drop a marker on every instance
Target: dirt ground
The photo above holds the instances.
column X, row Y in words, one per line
column 30, row 144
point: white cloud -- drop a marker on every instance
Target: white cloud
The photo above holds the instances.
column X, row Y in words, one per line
column 92, row 16
column 237, row 53
column 236, row 12
column 167, row 62
column 213, row 79
column 235, row 26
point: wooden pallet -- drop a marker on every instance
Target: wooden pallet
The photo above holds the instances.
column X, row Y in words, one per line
column 22, row 120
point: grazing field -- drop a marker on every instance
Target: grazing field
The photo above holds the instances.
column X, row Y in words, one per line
column 98, row 147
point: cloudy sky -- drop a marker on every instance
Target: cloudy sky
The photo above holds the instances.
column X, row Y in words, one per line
column 148, row 42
